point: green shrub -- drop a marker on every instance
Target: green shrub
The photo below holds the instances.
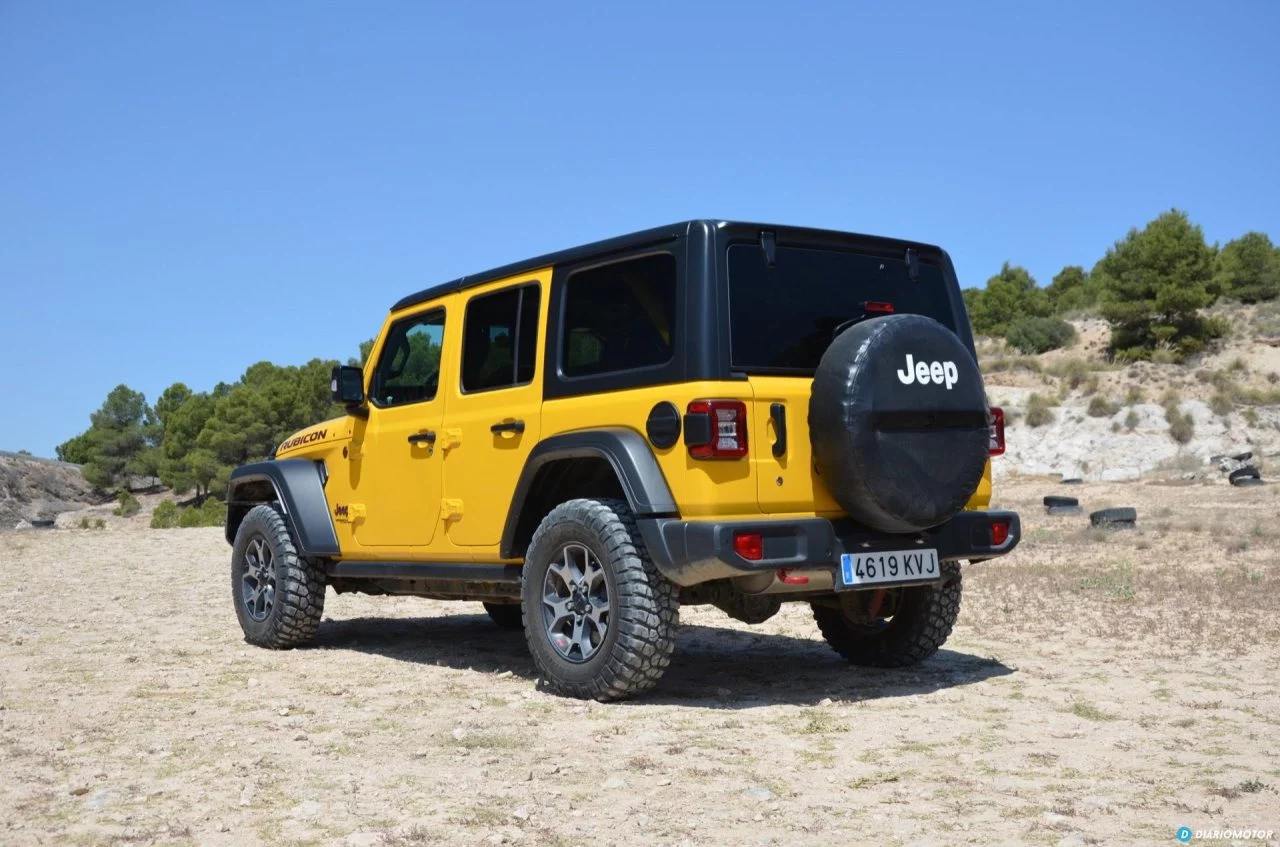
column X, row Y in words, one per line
column 1038, row 410
column 129, row 505
column 1221, row 403
column 1131, row 420
column 1251, row 416
column 99, row 523
column 1101, row 407
column 1040, row 335
column 165, row 515
column 212, row 513
column 1182, row 428
column 1134, row 396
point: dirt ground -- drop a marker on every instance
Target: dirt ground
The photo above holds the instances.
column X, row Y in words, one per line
column 1098, row 689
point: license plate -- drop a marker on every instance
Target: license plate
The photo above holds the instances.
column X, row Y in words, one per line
column 859, row 569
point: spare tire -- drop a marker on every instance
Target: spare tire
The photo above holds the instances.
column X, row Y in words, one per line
column 898, row 420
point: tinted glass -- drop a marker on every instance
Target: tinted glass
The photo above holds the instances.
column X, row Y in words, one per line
column 408, row 368
column 619, row 317
column 499, row 339
column 784, row 317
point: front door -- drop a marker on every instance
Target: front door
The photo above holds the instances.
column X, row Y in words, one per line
column 396, row 469
column 495, row 407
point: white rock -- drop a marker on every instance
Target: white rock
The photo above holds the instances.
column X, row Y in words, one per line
column 615, row 782
column 755, row 795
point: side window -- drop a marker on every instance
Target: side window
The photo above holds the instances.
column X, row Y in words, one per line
column 619, row 317
column 408, row 370
column 500, row 339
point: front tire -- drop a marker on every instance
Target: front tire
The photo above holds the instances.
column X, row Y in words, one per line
column 599, row 618
column 278, row 595
column 920, row 625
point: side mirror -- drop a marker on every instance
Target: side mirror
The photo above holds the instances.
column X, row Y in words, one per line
column 347, row 385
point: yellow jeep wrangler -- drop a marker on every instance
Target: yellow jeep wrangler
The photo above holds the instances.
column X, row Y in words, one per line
column 709, row 412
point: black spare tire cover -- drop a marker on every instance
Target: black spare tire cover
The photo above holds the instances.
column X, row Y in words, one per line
column 898, row 422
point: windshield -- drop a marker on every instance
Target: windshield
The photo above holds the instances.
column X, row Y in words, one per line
column 782, row 318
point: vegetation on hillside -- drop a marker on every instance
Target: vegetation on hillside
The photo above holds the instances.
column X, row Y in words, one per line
column 1151, row 286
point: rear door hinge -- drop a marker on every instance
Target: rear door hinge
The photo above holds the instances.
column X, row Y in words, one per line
column 449, row 438
column 450, row 509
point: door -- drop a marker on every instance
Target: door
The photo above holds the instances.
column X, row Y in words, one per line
column 396, row 469
column 494, row 407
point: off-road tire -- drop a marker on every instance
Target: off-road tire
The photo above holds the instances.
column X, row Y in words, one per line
column 298, row 602
column 644, row 607
column 505, row 615
column 920, row 626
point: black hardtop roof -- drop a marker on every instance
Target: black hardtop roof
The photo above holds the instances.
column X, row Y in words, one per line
column 644, row 238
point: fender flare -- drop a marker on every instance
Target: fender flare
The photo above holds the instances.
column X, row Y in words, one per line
column 298, row 486
column 626, row 451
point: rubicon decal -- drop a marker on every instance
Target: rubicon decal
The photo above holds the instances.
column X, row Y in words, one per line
column 298, row 441
column 941, row 373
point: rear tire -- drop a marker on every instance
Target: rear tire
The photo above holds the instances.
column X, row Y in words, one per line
column 599, row 618
column 919, row 627
column 278, row 595
column 505, row 615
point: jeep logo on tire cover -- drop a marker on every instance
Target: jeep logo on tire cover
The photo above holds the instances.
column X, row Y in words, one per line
column 942, row 373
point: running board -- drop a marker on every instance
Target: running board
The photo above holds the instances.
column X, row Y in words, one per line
column 450, row 571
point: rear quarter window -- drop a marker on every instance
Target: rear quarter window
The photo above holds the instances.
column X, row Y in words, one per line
column 782, row 318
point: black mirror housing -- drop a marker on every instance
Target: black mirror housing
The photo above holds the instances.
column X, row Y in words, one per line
column 347, row 385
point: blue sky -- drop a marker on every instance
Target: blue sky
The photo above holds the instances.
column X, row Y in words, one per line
column 187, row 188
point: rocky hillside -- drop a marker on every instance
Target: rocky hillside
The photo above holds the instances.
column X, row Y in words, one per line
column 1073, row 412
column 33, row 489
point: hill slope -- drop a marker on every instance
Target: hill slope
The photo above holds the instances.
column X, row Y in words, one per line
column 33, row 488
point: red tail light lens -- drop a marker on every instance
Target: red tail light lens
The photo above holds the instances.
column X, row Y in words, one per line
column 999, row 533
column 726, row 432
column 749, row 545
column 996, row 443
column 877, row 307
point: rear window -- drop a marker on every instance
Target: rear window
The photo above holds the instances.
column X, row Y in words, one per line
column 783, row 317
column 619, row 317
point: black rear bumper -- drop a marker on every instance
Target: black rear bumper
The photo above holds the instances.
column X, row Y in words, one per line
column 693, row 552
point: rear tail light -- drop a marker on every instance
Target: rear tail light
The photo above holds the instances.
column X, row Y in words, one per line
column 996, row 442
column 749, row 545
column 717, row 429
column 999, row 533
column 877, row 307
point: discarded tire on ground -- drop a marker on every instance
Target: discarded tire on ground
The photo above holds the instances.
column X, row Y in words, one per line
column 1125, row 517
column 1243, row 473
column 42, row 523
column 1074, row 480
column 1056, row 504
column 1243, row 457
column 1247, row 481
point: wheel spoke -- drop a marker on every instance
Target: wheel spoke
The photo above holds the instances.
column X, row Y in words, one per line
column 581, row 638
column 559, row 609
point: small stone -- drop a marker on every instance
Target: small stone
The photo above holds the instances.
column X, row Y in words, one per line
column 1075, row 839
column 251, row 682
column 642, row 820
column 247, row 794
column 284, row 713
column 664, row 781
column 755, row 795
column 79, row 790
column 528, row 777
column 505, row 675
column 459, row 733
column 825, row 701
column 474, row 705
column 420, row 753
column 224, row 827
column 615, row 782
column 521, row 814
column 299, row 736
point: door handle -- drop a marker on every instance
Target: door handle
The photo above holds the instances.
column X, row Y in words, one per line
column 778, row 413
column 508, row 426
column 427, row 437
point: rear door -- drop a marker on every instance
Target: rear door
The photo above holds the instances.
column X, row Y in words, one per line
column 784, row 311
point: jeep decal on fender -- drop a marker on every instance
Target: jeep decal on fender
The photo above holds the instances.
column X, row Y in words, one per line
column 298, row 441
column 927, row 372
